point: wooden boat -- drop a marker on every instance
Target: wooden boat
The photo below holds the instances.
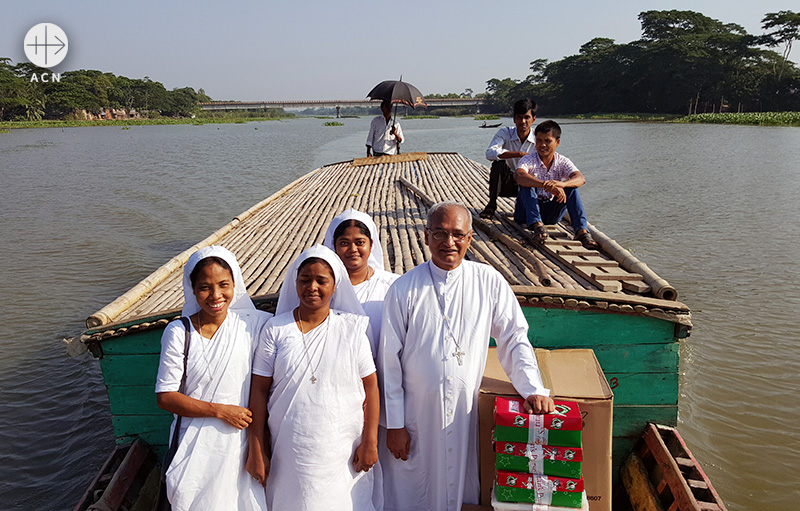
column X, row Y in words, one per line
column 491, row 125
column 575, row 298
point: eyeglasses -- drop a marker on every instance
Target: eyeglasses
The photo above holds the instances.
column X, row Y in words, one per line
column 443, row 235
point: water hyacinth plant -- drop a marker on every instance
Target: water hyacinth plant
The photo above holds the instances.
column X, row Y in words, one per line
column 752, row 118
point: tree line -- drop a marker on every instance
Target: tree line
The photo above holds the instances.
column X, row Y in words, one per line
column 23, row 96
column 685, row 62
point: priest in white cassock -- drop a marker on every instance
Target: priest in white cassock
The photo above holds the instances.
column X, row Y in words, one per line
column 437, row 321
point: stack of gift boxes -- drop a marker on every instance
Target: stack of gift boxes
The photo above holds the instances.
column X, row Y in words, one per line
column 538, row 457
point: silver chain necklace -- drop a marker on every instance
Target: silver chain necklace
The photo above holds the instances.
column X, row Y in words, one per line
column 313, row 370
column 458, row 353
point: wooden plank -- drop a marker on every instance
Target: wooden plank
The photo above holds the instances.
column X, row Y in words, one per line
column 642, row 494
column 134, row 400
column 557, row 328
column 648, row 358
column 140, row 343
column 557, row 249
column 635, row 286
column 676, row 445
column 582, row 260
column 129, row 369
column 393, row 158
column 671, row 473
column 604, row 274
column 630, row 421
column 644, row 388
column 149, row 427
column 125, row 476
column 113, row 460
column 696, row 484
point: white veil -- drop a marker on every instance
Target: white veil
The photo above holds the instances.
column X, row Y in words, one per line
column 376, row 256
column 344, row 296
column 241, row 301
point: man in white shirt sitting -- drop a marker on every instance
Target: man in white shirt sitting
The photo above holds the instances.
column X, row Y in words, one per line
column 505, row 150
column 385, row 135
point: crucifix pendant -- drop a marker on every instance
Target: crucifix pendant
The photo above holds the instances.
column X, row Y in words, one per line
column 460, row 356
column 313, row 379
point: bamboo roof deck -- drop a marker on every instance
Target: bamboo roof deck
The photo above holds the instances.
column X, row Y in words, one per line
column 396, row 192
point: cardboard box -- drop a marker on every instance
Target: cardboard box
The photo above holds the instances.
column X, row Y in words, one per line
column 571, row 375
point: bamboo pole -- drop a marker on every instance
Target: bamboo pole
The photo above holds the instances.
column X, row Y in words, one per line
column 660, row 287
column 541, row 271
column 267, row 236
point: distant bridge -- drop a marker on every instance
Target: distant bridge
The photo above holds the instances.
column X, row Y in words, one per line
column 332, row 103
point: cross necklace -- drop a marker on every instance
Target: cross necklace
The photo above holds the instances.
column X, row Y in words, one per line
column 458, row 353
column 311, row 368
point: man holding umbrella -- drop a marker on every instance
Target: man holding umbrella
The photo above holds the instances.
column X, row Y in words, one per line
column 385, row 134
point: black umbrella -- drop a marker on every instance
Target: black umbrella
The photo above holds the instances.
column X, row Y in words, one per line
column 397, row 92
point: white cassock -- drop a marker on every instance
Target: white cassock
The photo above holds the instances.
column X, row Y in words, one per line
column 370, row 294
column 208, row 472
column 427, row 391
column 315, row 428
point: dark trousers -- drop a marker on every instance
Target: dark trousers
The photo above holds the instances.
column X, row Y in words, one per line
column 501, row 183
column 529, row 209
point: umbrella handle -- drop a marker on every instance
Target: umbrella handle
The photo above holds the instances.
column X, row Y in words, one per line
column 394, row 121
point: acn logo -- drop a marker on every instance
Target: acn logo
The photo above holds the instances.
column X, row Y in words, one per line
column 46, row 45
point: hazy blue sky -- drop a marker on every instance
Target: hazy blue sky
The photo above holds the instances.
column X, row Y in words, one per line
column 263, row 50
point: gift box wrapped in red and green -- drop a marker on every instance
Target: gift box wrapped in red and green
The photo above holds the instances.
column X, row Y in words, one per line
column 561, row 428
column 538, row 489
column 539, row 459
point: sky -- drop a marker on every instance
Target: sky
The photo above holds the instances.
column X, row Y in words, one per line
column 267, row 50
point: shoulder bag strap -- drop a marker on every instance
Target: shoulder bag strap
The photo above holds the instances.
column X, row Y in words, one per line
column 173, row 445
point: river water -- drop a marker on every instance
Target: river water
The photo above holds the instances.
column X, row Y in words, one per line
column 88, row 212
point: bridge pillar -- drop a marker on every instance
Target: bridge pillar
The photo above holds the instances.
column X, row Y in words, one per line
column 337, row 111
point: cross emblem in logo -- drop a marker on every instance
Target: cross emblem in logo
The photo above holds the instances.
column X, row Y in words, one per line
column 46, row 45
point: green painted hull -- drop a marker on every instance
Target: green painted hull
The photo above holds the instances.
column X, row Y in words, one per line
column 638, row 354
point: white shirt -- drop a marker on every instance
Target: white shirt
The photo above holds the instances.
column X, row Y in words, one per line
column 506, row 139
column 426, row 391
column 560, row 170
column 379, row 137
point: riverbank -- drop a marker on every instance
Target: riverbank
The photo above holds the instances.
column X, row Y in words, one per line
column 744, row 118
column 159, row 121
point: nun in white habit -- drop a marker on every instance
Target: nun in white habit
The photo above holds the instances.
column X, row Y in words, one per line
column 207, row 472
column 314, row 384
column 354, row 237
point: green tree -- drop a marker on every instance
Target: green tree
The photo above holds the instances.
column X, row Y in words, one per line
column 500, row 95
column 783, row 28
column 66, row 98
column 181, row 102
